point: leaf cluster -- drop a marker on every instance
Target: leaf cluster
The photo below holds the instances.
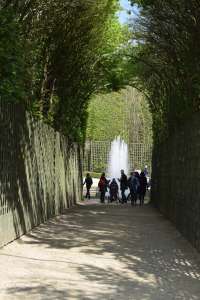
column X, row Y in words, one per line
column 166, row 60
column 12, row 68
column 125, row 113
column 69, row 52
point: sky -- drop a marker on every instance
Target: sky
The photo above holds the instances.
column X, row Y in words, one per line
column 123, row 15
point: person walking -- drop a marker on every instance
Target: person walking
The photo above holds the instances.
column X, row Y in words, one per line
column 146, row 172
column 103, row 183
column 88, row 182
column 137, row 175
column 143, row 188
column 123, row 185
column 113, row 190
column 134, row 184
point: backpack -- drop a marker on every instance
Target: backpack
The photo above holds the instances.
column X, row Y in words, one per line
column 88, row 181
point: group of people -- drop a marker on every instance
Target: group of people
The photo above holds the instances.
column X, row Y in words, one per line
column 136, row 183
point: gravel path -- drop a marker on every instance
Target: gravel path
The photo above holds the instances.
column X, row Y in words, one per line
column 101, row 252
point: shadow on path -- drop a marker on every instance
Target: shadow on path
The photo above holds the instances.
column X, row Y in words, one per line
column 102, row 252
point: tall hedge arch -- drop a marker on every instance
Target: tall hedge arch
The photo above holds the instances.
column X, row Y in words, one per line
column 166, row 60
column 62, row 47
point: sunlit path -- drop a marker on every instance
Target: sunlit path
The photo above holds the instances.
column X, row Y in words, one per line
column 101, row 252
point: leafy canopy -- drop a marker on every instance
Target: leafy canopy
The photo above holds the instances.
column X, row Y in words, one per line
column 71, row 49
column 166, row 60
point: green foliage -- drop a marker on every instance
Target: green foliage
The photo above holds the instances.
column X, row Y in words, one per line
column 92, row 174
column 113, row 64
column 125, row 113
column 138, row 118
column 106, row 114
column 166, row 60
column 12, row 69
column 71, row 49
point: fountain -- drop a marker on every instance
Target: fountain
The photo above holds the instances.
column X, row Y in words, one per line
column 118, row 158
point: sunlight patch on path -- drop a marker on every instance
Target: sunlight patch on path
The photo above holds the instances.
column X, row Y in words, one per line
column 101, row 252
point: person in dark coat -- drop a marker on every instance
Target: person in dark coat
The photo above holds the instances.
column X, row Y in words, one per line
column 88, row 182
column 134, row 185
column 137, row 175
column 123, row 185
column 113, row 190
column 103, row 183
column 143, row 187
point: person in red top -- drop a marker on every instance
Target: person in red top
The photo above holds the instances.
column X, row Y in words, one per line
column 103, row 183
